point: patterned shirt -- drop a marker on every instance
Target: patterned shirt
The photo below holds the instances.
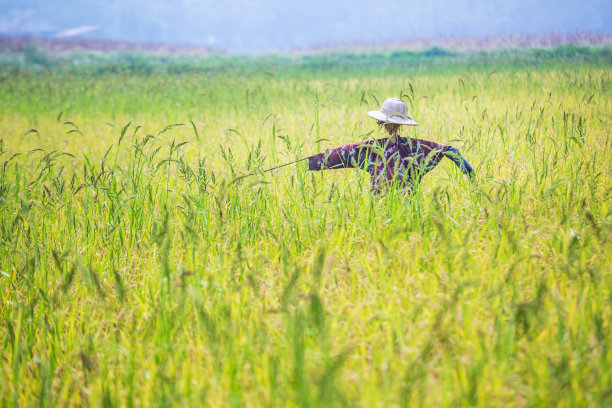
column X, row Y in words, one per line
column 400, row 163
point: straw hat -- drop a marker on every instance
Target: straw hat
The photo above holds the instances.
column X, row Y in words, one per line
column 393, row 110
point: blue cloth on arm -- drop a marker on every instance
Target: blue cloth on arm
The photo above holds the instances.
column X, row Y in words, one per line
column 454, row 155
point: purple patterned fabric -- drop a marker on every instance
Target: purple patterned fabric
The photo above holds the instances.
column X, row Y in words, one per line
column 400, row 163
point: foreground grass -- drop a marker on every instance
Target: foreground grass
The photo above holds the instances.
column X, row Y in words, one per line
column 133, row 272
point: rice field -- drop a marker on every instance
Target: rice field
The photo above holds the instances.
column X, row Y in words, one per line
column 138, row 269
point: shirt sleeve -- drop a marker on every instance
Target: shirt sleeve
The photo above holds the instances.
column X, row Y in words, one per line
column 455, row 156
column 433, row 146
column 342, row 157
column 432, row 153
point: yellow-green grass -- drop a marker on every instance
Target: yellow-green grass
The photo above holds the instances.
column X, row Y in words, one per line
column 133, row 272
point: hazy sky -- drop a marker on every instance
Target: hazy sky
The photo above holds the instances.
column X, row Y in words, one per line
column 242, row 26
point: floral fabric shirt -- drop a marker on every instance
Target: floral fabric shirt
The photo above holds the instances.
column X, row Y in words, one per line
column 401, row 163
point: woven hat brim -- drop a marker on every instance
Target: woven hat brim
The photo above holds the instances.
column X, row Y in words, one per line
column 398, row 120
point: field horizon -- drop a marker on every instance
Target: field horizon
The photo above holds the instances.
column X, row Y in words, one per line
column 53, row 45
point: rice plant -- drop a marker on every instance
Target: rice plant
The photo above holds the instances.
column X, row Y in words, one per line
column 138, row 268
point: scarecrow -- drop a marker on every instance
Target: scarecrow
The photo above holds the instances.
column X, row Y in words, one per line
column 393, row 160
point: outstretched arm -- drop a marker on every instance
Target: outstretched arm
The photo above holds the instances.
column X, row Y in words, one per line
column 454, row 155
column 347, row 156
